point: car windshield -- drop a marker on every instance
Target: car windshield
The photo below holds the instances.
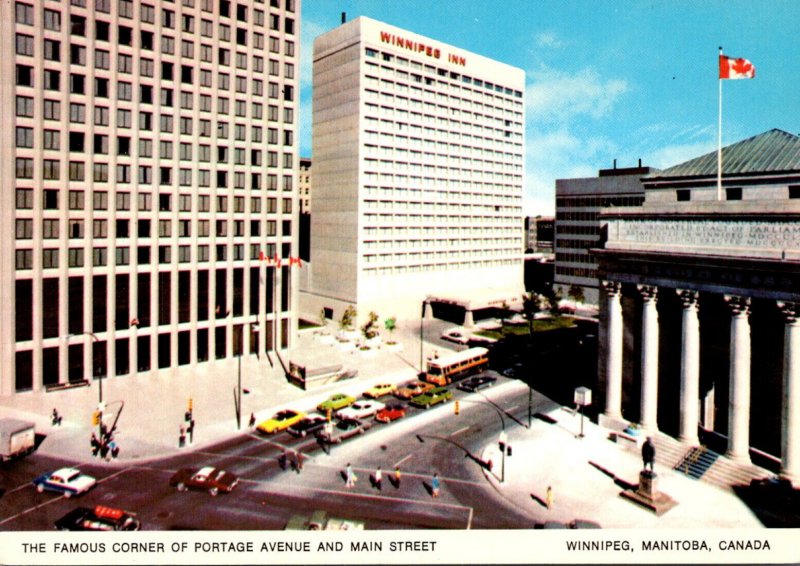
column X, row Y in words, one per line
column 73, row 476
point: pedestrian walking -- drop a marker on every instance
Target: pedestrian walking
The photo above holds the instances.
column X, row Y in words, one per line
column 252, row 420
column 550, row 497
column 378, row 478
column 190, row 430
column 182, row 438
column 95, row 445
column 397, row 477
column 299, row 467
column 435, row 485
column 350, row 476
column 56, row 418
column 112, row 447
column 282, row 460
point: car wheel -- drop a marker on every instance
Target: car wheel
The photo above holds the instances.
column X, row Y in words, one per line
column 181, row 486
column 67, row 494
column 40, row 488
column 214, row 491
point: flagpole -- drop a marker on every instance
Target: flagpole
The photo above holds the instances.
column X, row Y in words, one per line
column 719, row 136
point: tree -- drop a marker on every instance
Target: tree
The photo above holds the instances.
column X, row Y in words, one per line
column 576, row 293
column 505, row 312
column 369, row 327
column 533, row 303
column 390, row 324
column 348, row 316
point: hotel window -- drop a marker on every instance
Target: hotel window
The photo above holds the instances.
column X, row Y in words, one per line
column 50, row 229
column 76, row 229
column 101, row 172
column 794, row 191
column 100, row 116
column 146, row 41
column 147, row 14
column 24, row 199
column 51, row 169
column 99, row 257
column 52, row 20
column 24, row 229
column 76, row 200
column 77, row 25
column 23, row 13
column 25, row 75
column 25, row 106
column 100, row 228
column 167, row 18
column 124, row 64
column 24, row 137
column 146, row 121
column 49, row 258
column 75, row 257
column 77, row 171
column 144, row 202
column 77, row 113
column 25, row 44
column 167, row 45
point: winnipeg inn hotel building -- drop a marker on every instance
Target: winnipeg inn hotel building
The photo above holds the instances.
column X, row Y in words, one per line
column 147, row 185
column 418, row 150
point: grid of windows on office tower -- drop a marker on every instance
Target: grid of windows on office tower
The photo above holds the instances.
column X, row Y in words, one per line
column 155, row 156
column 443, row 165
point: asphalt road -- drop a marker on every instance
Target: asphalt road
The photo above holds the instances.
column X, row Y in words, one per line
column 423, row 443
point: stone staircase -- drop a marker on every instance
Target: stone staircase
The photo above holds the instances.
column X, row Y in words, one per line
column 701, row 463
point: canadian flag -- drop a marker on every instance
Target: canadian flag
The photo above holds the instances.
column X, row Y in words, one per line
column 730, row 68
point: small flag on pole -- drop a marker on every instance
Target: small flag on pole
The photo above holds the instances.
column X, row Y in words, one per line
column 730, row 68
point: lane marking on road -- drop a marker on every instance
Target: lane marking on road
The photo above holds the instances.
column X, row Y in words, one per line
column 459, row 431
column 397, row 464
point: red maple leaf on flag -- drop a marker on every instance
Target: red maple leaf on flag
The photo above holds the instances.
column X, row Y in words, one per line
column 742, row 66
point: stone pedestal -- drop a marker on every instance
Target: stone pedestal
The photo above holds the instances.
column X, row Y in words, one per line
column 647, row 494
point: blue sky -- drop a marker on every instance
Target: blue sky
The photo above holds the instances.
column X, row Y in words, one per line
column 607, row 80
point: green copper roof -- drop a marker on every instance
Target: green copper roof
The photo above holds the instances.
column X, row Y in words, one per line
column 771, row 152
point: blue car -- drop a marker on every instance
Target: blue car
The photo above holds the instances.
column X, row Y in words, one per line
column 69, row 481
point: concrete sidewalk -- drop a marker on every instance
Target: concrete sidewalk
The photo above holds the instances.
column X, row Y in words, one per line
column 153, row 403
column 588, row 474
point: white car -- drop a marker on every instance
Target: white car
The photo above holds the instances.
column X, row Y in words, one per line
column 455, row 335
column 360, row 410
column 69, row 481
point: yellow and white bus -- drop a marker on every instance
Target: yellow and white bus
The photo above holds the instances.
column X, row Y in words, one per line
column 444, row 370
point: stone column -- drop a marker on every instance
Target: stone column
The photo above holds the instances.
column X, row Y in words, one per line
column 690, row 368
column 739, row 380
column 427, row 311
column 790, row 431
column 469, row 321
column 649, row 400
column 614, row 350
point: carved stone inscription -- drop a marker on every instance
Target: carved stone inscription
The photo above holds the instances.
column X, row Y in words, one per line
column 744, row 234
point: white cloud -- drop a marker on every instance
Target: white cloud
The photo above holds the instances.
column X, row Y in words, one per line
column 559, row 154
column 548, row 39
column 556, row 96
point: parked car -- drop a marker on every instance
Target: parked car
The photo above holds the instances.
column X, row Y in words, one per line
column 432, row 397
column 414, row 388
column 101, row 518
column 212, row 479
column 454, row 335
column 477, row 382
column 69, row 481
column 343, row 430
column 280, row 421
column 335, row 402
column 517, row 370
column 310, row 424
column 360, row 410
column 379, row 390
column 390, row 413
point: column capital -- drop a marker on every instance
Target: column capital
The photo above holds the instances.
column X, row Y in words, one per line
column 738, row 304
column 612, row 287
column 791, row 311
column 688, row 297
column 648, row 292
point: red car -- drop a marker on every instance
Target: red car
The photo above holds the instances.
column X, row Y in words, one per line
column 211, row 479
column 390, row 413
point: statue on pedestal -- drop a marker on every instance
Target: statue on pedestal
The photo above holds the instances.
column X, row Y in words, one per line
column 648, row 454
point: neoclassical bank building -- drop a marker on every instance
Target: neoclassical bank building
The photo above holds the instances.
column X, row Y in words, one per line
column 700, row 319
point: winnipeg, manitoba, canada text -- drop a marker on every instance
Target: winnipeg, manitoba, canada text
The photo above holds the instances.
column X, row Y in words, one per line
column 686, row 545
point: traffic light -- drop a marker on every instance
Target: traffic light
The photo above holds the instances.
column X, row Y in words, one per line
column 190, row 404
column 456, row 407
column 96, row 416
column 328, row 414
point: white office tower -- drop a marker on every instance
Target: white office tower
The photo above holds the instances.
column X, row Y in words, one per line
column 418, row 150
column 148, row 171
